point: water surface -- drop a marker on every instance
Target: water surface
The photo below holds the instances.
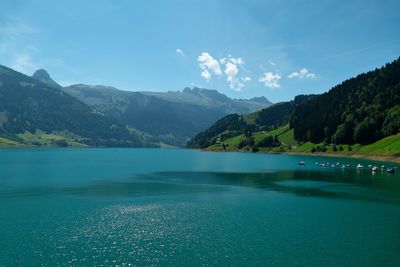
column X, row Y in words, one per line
column 175, row 207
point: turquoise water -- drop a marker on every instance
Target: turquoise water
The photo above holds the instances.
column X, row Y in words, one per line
column 175, row 207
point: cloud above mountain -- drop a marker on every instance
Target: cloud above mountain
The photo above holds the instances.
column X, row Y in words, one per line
column 270, row 79
column 231, row 66
column 209, row 66
column 301, row 74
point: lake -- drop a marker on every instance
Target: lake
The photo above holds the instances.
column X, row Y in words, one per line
column 177, row 207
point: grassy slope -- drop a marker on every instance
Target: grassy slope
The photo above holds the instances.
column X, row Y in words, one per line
column 7, row 142
column 40, row 138
column 232, row 143
column 389, row 146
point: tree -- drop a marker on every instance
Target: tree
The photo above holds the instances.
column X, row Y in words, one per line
column 391, row 125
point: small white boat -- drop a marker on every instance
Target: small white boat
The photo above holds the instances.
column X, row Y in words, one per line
column 359, row 166
column 374, row 169
column 302, row 163
column 390, row 170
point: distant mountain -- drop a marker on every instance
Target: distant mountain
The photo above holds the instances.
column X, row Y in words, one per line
column 170, row 117
column 213, row 99
column 43, row 76
column 29, row 107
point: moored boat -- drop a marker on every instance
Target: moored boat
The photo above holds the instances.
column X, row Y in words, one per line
column 390, row 170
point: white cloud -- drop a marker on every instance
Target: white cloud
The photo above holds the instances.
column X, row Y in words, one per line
column 303, row 73
column 231, row 68
column 206, row 75
column 237, row 61
column 231, row 71
column 270, row 80
column 209, row 65
column 180, row 52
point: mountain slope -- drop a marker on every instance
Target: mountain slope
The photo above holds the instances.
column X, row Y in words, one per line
column 234, row 125
column 28, row 105
column 361, row 110
column 172, row 117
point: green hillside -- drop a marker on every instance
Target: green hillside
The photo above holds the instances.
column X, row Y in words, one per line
column 361, row 110
column 360, row 116
column 35, row 113
column 388, row 146
column 170, row 117
column 261, row 121
column 7, row 142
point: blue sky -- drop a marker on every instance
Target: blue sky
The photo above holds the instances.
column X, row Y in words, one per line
column 277, row 49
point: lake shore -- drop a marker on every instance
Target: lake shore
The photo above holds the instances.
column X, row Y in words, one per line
column 392, row 159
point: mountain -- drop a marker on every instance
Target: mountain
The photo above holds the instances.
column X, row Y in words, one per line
column 43, row 76
column 213, row 99
column 170, row 117
column 235, row 125
column 361, row 110
column 30, row 108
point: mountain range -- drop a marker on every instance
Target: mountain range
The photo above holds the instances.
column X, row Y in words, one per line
column 37, row 110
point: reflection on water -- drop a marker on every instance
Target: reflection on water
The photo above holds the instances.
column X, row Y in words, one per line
column 345, row 185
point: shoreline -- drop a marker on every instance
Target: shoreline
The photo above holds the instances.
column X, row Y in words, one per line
column 391, row 159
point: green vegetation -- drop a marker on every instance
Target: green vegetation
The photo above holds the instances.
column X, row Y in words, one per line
column 38, row 111
column 28, row 105
column 361, row 110
column 7, row 142
column 59, row 139
column 361, row 116
column 257, row 123
column 388, row 146
column 171, row 117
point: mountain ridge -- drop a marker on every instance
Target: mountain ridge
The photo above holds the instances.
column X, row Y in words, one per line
column 31, row 106
column 154, row 117
column 172, row 117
